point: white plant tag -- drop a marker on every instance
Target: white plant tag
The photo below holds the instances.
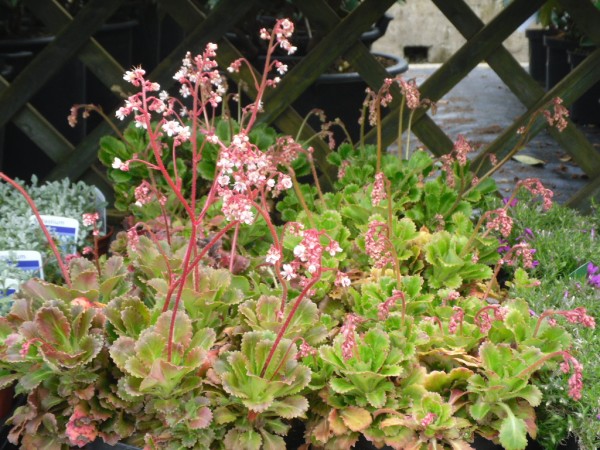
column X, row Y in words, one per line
column 26, row 260
column 64, row 229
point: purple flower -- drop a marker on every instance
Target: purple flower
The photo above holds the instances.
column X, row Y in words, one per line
column 512, row 203
column 593, row 275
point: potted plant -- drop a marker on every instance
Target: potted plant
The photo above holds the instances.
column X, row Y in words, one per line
column 358, row 314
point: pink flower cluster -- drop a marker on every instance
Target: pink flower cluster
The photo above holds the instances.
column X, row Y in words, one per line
column 428, row 419
column 483, row 319
column 459, row 153
column 283, row 30
column 536, row 187
column 522, row 251
column 376, row 243
column 501, row 221
column 578, row 316
column 558, row 116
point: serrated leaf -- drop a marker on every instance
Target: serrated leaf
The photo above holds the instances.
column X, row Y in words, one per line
column 513, row 431
column 341, row 385
column 355, row 418
column 290, row 407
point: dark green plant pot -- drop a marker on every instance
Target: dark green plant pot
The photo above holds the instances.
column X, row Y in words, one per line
column 557, row 60
column 586, row 109
column 342, row 95
column 537, row 53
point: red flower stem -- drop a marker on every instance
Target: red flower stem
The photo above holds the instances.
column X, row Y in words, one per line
column 186, row 271
column 287, row 322
column 51, row 243
column 233, row 246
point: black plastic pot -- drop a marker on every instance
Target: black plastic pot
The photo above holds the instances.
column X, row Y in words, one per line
column 537, row 53
column 586, row 109
column 557, row 60
column 19, row 156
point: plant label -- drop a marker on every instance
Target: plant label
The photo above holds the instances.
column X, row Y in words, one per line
column 64, row 229
column 28, row 261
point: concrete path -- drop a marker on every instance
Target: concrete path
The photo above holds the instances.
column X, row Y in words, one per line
column 480, row 107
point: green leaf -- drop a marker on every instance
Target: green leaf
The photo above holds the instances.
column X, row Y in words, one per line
column 513, row 431
column 341, row 385
column 290, row 407
column 53, row 326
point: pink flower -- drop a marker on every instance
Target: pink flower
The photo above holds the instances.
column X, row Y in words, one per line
column 288, row 272
column 273, row 255
column 558, row 116
column 383, row 309
column 90, row 219
column 342, row 280
column 376, row 244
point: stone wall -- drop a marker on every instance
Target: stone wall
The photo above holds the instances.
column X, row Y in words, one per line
column 421, row 33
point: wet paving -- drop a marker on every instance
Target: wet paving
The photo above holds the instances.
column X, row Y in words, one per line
column 481, row 107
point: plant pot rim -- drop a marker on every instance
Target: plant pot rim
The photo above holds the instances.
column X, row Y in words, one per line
column 399, row 67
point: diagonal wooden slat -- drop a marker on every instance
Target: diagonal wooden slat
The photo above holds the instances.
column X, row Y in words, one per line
column 479, row 47
column 53, row 56
column 39, row 130
column 373, row 73
column 209, row 30
column 569, row 89
column 92, row 54
column 522, row 85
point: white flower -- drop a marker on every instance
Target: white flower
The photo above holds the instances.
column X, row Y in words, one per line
column 121, row 113
column 286, row 182
column 299, row 251
column 273, row 255
column 117, row 163
column 288, row 272
column 171, row 127
column 223, row 180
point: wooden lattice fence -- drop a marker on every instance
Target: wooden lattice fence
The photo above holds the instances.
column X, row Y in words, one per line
column 74, row 38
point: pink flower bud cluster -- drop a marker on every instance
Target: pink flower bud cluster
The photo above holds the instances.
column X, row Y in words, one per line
column 348, row 332
column 522, row 251
column 558, row 116
column 376, row 244
column 90, row 219
column 342, row 169
column 536, row 187
column 483, row 319
column 456, row 319
column 305, row 350
column 144, row 194
column 576, row 380
column 411, row 92
column 461, row 149
column 578, row 316
column 383, row 309
column 378, row 193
